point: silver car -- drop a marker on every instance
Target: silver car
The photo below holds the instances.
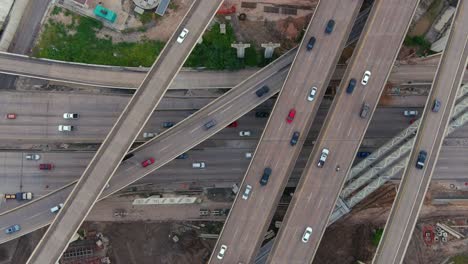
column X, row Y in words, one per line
column 182, row 35
column 33, row 157
column 221, row 252
column 307, row 234
column 248, row 190
column 312, row 94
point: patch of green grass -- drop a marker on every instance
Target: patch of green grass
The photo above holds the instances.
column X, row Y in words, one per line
column 57, row 10
column 216, row 52
column 460, row 259
column 172, row 5
column 377, row 236
column 146, row 17
column 58, row 43
column 423, row 46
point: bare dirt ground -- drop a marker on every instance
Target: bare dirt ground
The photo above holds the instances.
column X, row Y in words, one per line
column 151, row 243
column 17, row 251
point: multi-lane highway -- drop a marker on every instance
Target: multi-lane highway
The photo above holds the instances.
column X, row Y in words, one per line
column 122, row 135
column 343, row 131
column 429, row 138
column 293, row 112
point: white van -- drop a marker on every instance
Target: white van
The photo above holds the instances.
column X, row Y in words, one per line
column 55, row 209
column 198, row 165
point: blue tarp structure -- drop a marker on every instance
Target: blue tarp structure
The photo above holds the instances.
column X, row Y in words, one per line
column 162, row 7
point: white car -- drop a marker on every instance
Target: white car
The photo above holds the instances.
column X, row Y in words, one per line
column 312, row 94
column 410, row 113
column 71, row 116
column 198, row 165
column 247, row 191
column 182, row 35
column 149, row 134
column 65, row 128
column 221, row 252
column 307, row 234
column 33, row 157
column 55, row 209
column 246, row 133
column 248, row 155
column 323, row 157
column 365, row 78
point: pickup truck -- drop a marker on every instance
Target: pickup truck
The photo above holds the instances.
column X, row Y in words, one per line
column 21, row 196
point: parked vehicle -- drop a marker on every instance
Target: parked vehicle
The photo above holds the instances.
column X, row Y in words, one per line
column 12, row 229
column 210, row 124
column 70, row 116
column 366, row 77
column 436, row 106
column 364, row 110
column 221, row 252
column 247, row 191
column 330, row 26
column 295, row 138
column 307, row 234
column 46, row 166
column 262, row 114
column 147, row 162
column 182, row 156
column 260, row 92
column 11, row 116
column 265, row 176
column 245, row 133
column 65, row 128
column 182, row 35
column 323, row 157
column 410, row 113
column 56, row 208
column 291, row 115
column 199, row 165
column 32, row 157
column 149, row 134
column 168, row 124
column 421, row 159
column 234, row 124
column 312, row 94
column 311, row 43
column 351, row 85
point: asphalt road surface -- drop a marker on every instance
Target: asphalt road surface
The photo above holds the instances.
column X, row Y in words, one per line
column 248, row 219
column 123, row 134
column 431, row 132
column 319, row 187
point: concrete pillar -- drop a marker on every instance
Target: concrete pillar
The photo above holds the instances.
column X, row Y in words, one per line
column 269, row 48
column 13, row 23
column 240, row 49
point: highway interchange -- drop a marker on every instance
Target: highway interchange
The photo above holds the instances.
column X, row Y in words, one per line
column 245, row 222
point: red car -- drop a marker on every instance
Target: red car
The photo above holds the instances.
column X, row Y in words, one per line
column 233, row 124
column 11, row 116
column 412, row 120
column 291, row 115
column 45, row 166
column 147, row 162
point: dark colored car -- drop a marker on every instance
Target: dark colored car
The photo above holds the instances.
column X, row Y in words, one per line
column 168, row 124
column 330, row 26
column 295, row 138
column 210, row 124
column 436, row 106
column 421, row 159
column 147, row 162
column 311, row 43
column 129, row 155
column 234, row 124
column 182, row 156
column 363, row 154
column 262, row 114
column 260, row 92
column 364, row 110
column 291, row 115
column 45, row 166
column 265, row 176
column 351, row 85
